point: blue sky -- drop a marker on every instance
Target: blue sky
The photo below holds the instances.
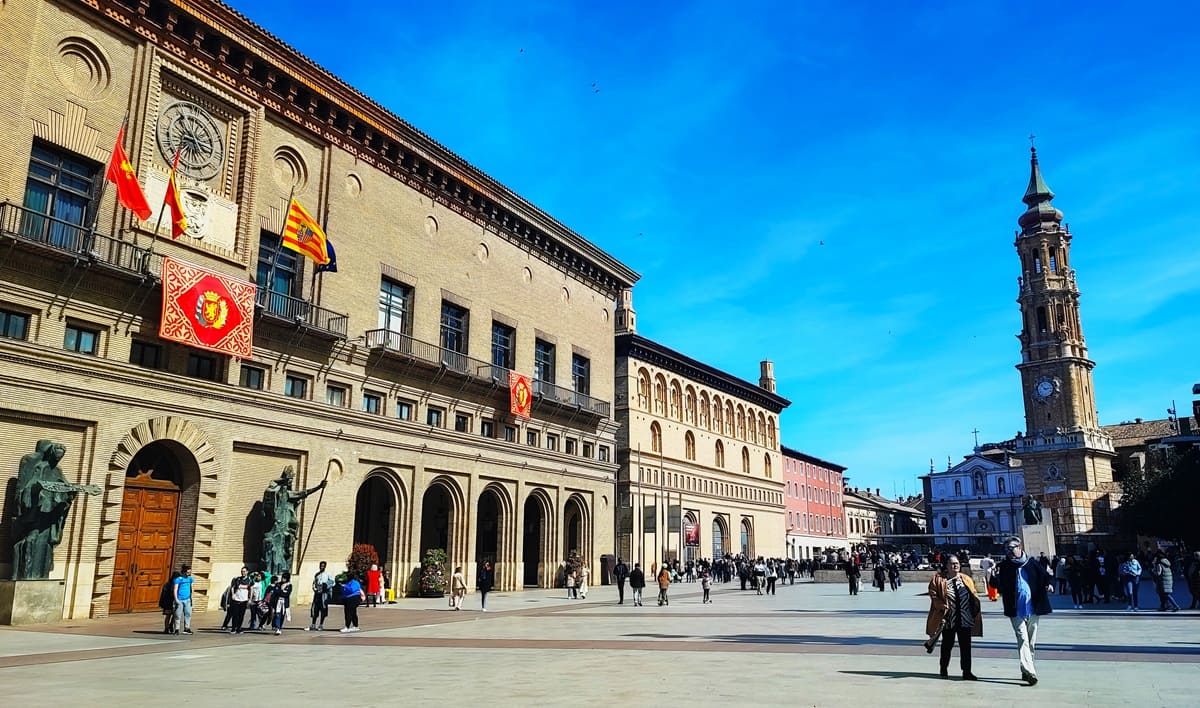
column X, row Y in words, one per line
column 833, row 186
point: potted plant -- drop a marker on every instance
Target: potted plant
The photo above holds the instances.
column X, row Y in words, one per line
column 432, row 582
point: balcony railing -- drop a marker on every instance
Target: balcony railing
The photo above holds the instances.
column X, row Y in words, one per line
column 405, row 345
column 301, row 312
column 79, row 241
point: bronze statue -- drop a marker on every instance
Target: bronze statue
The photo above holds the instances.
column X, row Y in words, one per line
column 44, row 497
column 279, row 506
column 1033, row 511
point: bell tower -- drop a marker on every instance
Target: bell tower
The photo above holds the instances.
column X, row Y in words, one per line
column 1063, row 447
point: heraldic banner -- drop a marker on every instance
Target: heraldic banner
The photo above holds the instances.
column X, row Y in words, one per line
column 206, row 310
column 520, row 395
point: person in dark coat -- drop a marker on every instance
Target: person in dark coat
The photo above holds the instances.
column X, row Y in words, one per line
column 1025, row 588
column 484, row 582
column 853, row 576
column 637, row 581
column 621, row 573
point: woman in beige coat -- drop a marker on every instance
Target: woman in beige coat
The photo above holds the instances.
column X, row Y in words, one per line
column 954, row 612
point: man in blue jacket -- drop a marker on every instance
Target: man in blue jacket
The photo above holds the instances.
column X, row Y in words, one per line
column 1025, row 587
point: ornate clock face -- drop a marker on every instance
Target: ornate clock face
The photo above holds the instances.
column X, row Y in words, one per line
column 188, row 129
column 1044, row 389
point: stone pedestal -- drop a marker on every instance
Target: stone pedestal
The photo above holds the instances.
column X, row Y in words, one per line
column 1038, row 539
column 31, row 601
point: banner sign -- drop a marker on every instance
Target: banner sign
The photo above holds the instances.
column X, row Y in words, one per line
column 206, row 310
column 520, row 395
column 649, row 519
column 691, row 535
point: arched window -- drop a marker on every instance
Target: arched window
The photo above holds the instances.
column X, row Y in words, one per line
column 745, row 460
column 729, row 417
column 771, row 432
column 655, row 437
column 718, row 538
column 752, row 428
column 643, row 389
column 719, row 453
column 676, row 401
column 741, row 423
column 660, row 394
column 957, row 488
column 704, row 410
column 689, row 405
column 718, row 415
column 1000, row 485
column 766, row 465
column 689, row 445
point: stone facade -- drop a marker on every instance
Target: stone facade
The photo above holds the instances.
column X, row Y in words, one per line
column 976, row 502
column 352, row 377
column 701, row 440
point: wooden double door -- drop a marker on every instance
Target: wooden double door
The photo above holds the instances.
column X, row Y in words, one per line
column 145, row 547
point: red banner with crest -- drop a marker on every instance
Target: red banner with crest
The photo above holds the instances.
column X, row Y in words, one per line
column 520, row 395
column 206, row 310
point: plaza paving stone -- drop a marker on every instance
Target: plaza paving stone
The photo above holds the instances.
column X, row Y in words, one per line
column 811, row 644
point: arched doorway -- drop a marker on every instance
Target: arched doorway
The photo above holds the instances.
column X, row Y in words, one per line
column 161, row 486
column 436, row 509
column 535, row 538
column 719, row 549
column 487, row 528
column 575, row 530
column 747, row 539
column 375, row 510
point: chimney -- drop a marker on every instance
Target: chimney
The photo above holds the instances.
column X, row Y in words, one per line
column 766, row 377
column 625, row 318
column 877, row 492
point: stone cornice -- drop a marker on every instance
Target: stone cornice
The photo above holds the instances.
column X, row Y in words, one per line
column 243, row 56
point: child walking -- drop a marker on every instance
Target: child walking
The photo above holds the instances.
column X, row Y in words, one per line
column 706, row 586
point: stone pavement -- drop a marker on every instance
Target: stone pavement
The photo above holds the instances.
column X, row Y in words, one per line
column 810, row 644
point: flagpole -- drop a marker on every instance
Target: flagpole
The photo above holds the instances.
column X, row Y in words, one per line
column 162, row 209
column 278, row 246
column 104, row 182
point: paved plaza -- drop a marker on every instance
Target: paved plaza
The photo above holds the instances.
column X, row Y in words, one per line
column 811, row 644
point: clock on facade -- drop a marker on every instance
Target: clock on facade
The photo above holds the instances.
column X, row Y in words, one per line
column 187, row 129
column 1045, row 388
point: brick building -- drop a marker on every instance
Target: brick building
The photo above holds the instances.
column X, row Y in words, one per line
column 816, row 519
column 388, row 377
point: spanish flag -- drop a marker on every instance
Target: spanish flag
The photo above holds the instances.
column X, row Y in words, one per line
column 120, row 173
column 304, row 235
column 171, row 199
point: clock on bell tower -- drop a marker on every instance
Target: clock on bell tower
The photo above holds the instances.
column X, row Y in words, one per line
column 1063, row 446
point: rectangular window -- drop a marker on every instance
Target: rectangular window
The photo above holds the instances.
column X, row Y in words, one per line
column 462, row 422
column 395, row 306
column 372, row 403
column 404, row 409
column 572, row 446
column 252, row 377
column 455, row 324
column 503, row 343
column 434, row 417
column 146, row 355
column 603, row 453
column 531, row 438
column 551, row 441
column 510, row 434
column 588, row 450
column 336, row 395
column 581, row 374
column 202, row 366
column 14, row 325
column 487, row 428
column 81, row 339
column 277, row 276
column 295, row 386
column 543, row 361
column 59, row 191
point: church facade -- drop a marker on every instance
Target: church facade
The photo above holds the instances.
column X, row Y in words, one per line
column 388, row 379
column 977, row 502
column 1066, row 455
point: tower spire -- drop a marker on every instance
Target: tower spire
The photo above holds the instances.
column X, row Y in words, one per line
column 1037, row 198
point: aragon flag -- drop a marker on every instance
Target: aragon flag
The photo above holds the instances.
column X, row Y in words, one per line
column 120, row 173
column 171, row 199
column 302, row 234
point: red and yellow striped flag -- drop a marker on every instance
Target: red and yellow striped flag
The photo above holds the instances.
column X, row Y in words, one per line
column 171, row 199
column 304, row 235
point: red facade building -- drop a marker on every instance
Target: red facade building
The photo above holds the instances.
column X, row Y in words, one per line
column 814, row 517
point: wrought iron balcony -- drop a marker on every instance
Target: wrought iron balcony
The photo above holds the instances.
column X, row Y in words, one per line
column 406, row 346
column 75, row 240
column 286, row 308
